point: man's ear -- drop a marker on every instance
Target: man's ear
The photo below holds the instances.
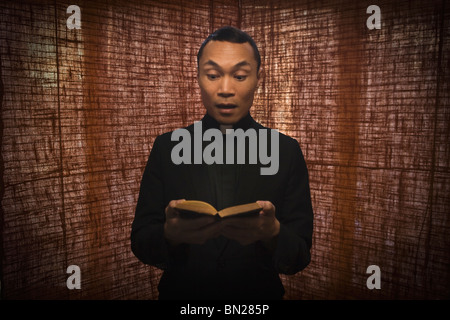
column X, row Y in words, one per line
column 260, row 76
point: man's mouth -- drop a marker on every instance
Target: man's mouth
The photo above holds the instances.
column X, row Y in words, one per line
column 226, row 106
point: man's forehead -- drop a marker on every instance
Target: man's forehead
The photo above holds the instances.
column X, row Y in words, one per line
column 220, row 52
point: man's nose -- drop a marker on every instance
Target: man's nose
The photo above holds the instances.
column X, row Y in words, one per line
column 226, row 88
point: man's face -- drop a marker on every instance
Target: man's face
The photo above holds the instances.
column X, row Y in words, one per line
column 228, row 79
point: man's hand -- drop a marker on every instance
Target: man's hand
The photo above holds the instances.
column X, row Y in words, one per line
column 264, row 227
column 192, row 231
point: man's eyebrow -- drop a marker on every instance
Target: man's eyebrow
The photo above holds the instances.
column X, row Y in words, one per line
column 242, row 64
column 211, row 63
column 237, row 65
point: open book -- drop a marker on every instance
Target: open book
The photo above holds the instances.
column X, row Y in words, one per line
column 192, row 208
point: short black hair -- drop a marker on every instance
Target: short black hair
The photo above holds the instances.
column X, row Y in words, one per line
column 233, row 35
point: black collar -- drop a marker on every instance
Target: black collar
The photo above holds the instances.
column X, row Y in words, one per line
column 245, row 123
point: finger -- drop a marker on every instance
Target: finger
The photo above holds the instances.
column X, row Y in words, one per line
column 197, row 223
column 184, row 231
column 242, row 223
column 212, row 230
column 194, row 225
column 200, row 236
column 173, row 203
column 170, row 210
column 267, row 208
column 206, row 220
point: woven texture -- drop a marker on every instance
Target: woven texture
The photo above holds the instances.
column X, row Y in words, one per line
column 80, row 109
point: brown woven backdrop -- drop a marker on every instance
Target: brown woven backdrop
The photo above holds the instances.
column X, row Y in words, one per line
column 80, row 109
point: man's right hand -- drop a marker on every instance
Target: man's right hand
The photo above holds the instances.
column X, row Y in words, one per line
column 191, row 231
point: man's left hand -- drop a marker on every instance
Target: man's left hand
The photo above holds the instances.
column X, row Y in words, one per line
column 264, row 227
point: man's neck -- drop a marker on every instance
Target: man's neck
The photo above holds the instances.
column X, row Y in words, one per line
column 243, row 123
column 223, row 127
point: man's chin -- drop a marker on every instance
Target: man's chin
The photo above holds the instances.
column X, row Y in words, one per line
column 227, row 120
column 226, row 123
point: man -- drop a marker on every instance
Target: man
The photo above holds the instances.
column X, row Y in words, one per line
column 232, row 258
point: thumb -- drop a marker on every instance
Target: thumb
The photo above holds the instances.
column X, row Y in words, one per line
column 267, row 207
column 171, row 211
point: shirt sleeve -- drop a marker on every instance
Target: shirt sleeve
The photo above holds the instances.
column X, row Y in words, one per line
column 292, row 252
column 147, row 232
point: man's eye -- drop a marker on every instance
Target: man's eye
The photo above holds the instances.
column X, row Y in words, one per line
column 240, row 78
column 212, row 76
